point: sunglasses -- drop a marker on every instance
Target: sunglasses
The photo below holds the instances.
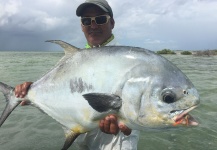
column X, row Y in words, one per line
column 99, row 20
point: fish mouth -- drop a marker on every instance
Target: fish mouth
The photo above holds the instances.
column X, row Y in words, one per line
column 183, row 118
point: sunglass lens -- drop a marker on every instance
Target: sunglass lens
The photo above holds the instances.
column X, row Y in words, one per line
column 101, row 19
column 86, row 21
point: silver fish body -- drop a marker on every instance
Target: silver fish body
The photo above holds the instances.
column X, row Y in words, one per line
column 143, row 89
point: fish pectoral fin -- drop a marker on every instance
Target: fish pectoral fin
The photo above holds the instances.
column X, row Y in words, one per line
column 102, row 102
column 70, row 138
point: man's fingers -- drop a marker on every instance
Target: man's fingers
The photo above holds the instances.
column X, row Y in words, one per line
column 110, row 125
column 114, row 129
column 107, row 125
column 22, row 89
column 18, row 90
column 26, row 85
column 124, row 129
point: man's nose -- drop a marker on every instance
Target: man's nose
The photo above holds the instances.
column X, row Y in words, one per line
column 94, row 25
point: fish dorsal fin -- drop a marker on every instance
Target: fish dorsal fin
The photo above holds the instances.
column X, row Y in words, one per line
column 68, row 48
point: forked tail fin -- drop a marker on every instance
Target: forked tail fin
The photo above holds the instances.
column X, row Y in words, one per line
column 12, row 101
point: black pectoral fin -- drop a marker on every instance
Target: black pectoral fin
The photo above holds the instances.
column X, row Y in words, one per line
column 103, row 102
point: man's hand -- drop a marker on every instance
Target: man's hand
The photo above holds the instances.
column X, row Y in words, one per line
column 110, row 125
column 21, row 90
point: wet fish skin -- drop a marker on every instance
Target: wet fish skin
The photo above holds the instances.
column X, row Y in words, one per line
column 143, row 89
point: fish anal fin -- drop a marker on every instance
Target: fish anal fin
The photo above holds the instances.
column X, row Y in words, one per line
column 70, row 138
column 102, row 102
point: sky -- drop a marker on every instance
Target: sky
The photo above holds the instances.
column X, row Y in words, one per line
column 25, row 25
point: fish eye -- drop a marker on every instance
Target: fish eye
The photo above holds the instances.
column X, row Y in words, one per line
column 168, row 97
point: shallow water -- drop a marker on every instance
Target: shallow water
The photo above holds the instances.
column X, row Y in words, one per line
column 27, row 128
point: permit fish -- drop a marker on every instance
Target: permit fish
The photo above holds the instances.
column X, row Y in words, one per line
column 143, row 89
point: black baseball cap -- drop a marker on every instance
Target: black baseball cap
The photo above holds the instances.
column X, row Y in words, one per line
column 103, row 4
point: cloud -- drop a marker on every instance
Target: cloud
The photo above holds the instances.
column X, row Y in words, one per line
column 29, row 18
column 152, row 24
column 8, row 9
column 24, row 23
column 177, row 24
column 41, row 20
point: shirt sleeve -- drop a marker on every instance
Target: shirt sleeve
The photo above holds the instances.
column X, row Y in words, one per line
column 97, row 140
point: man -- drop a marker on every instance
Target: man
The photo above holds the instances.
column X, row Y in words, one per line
column 97, row 23
column 98, row 29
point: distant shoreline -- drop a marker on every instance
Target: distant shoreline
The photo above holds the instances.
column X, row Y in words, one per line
column 183, row 52
column 162, row 52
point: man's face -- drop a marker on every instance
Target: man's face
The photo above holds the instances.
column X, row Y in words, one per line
column 97, row 34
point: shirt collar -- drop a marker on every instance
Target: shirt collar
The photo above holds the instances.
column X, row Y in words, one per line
column 103, row 44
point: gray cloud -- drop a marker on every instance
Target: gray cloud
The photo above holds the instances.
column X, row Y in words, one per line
column 174, row 24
